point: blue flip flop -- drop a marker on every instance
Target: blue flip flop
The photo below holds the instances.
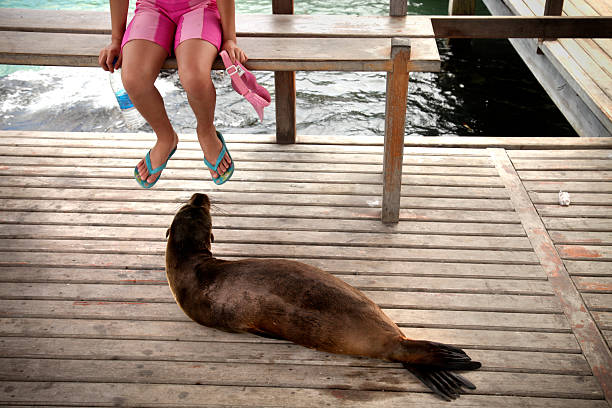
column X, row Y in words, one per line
column 144, row 183
column 228, row 173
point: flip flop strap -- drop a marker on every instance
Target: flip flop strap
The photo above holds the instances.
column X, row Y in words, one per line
column 148, row 163
column 232, row 71
column 219, row 158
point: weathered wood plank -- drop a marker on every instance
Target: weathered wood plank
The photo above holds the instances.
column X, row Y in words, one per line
column 566, row 175
column 353, row 378
column 483, row 203
column 244, row 165
column 132, row 150
column 598, row 301
column 581, row 237
column 578, row 211
column 588, row 268
column 579, row 252
column 597, row 284
column 249, row 175
column 603, row 319
column 363, row 282
column 190, row 331
column 562, row 164
column 253, row 25
column 260, row 210
column 387, row 299
column 273, row 237
column 178, row 395
column 343, row 266
column 576, row 198
column 451, row 319
column 161, row 222
column 571, row 186
column 559, row 154
column 578, row 224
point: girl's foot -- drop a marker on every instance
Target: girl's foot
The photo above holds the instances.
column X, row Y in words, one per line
column 158, row 155
column 212, row 146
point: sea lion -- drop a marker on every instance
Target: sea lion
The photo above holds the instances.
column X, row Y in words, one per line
column 290, row 300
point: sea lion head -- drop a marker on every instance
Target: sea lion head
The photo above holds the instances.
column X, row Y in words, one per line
column 191, row 230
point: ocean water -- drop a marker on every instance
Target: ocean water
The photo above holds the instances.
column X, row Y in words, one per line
column 485, row 90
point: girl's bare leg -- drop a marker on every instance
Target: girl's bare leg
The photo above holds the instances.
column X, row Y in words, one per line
column 142, row 61
column 195, row 58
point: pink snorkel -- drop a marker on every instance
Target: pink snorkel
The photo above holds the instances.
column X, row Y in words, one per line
column 244, row 82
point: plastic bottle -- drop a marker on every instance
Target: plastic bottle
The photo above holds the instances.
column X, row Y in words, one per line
column 131, row 117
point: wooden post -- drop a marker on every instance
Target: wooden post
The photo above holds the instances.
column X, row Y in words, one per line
column 398, row 8
column 284, row 85
column 552, row 8
column 395, row 114
column 461, row 7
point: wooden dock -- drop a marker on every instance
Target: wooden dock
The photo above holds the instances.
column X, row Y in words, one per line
column 483, row 258
column 576, row 73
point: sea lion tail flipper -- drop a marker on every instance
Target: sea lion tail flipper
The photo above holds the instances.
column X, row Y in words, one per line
column 431, row 363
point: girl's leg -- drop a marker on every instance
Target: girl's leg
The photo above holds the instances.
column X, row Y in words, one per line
column 195, row 58
column 142, row 61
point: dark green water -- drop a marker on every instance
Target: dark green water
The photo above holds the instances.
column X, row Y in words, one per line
column 485, row 90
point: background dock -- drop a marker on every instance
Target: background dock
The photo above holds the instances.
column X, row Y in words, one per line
column 483, row 258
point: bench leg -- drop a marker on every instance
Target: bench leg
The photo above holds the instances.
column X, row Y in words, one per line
column 397, row 90
column 284, row 85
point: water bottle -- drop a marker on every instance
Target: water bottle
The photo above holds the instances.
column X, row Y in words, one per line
column 131, row 117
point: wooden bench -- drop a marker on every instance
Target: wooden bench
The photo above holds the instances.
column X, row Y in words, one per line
column 281, row 43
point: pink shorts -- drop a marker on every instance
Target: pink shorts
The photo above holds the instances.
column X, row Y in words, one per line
column 163, row 21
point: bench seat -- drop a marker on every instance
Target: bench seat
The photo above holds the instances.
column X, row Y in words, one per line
column 280, row 43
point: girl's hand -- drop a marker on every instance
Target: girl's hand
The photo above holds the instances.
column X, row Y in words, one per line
column 109, row 54
column 234, row 52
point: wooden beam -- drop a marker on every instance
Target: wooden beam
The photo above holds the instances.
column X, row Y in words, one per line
column 521, row 27
column 284, row 85
column 395, row 114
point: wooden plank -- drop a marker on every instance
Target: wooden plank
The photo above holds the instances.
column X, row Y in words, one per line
column 577, row 198
column 562, row 164
column 592, row 343
column 579, row 153
column 189, row 331
column 386, row 299
column 252, row 25
column 179, row 395
column 578, row 211
column 520, row 27
column 599, row 284
column 568, row 175
column 246, row 188
column 451, row 319
column 133, row 150
column 591, row 267
column 578, row 224
column 581, row 237
column 345, row 266
column 381, row 379
column 161, row 222
column 603, row 319
column 363, row 282
column 23, row 249
column 598, row 301
column 474, row 146
column 275, row 237
column 219, row 198
column 262, row 210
